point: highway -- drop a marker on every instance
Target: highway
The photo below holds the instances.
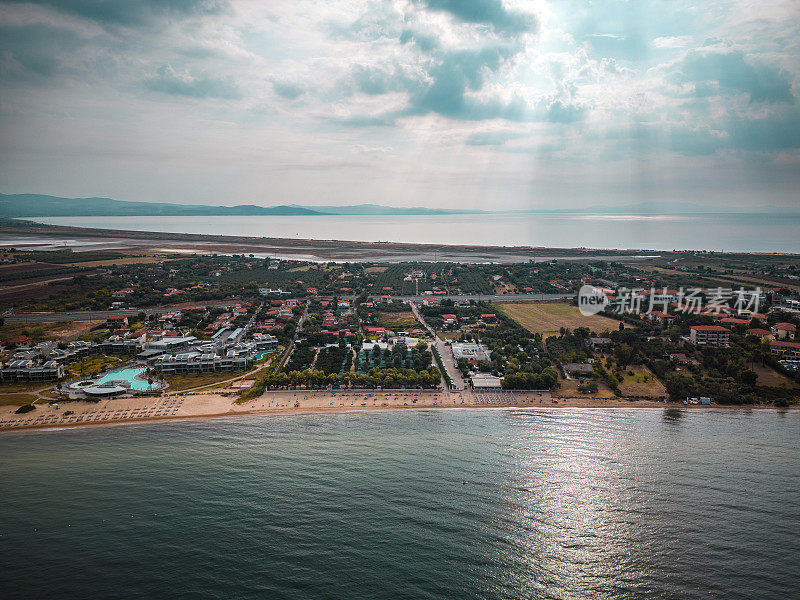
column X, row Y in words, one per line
column 484, row 297
column 81, row 315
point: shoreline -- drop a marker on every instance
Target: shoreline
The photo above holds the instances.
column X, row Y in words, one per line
column 315, row 250
column 212, row 406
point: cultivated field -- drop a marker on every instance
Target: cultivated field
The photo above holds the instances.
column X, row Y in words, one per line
column 550, row 317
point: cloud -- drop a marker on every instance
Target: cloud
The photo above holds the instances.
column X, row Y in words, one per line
column 492, row 138
column 486, row 12
column 780, row 131
column 580, row 85
column 290, row 91
column 733, row 73
column 671, row 42
column 35, row 50
column 168, row 81
column 136, row 13
column 425, row 42
column 455, row 74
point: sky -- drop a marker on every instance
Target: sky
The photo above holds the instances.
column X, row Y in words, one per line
column 482, row 104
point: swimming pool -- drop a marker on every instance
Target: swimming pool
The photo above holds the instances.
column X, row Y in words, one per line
column 129, row 376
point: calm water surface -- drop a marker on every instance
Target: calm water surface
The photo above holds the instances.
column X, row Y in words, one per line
column 743, row 233
column 563, row 503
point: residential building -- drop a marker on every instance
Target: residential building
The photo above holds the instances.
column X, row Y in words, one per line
column 786, row 350
column 764, row 334
column 784, row 331
column 115, row 321
column 712, row 335
column 265, row 342
column 599, row 344
column 661, row 317
column 579, row 370
column 30, row 370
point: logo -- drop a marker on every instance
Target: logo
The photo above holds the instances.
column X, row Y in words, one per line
column 591, row 300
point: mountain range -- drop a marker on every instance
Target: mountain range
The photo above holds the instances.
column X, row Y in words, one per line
column 40, row 205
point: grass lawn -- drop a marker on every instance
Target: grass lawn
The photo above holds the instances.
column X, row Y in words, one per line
column 193, row 380
column 641, row 383
column 15, row 399
column 24, row 386
column 549, row 317
column 93, row 363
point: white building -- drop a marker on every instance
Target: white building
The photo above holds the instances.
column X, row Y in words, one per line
column 473, row 353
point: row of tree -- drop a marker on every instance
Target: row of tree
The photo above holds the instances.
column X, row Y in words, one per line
column 384, row 378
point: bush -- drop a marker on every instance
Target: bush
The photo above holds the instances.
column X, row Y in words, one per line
column 25, row 409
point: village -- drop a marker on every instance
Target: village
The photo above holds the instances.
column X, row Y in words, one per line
column 247, row 328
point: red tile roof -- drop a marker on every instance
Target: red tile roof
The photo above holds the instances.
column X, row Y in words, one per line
column 785, row 344
column 757, row 331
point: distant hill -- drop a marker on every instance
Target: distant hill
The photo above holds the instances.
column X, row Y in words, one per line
column 377, row 209
column 39, row 205
column 667, row 208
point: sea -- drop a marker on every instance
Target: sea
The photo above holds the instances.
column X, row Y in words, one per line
column 424, row 504
column 714, row 232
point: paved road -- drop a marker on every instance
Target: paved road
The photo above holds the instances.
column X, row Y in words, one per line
column 81, row 315
column 297, row 330
column 485, row 297
column 444, row 352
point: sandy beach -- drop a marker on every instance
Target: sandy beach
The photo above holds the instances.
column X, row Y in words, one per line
column 209, row 405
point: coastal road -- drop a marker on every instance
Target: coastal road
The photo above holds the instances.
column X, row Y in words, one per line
column 485, row 297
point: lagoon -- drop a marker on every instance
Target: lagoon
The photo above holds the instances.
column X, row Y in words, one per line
column 731, row 232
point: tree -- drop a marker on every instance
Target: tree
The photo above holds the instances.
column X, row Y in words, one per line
column 749, row 378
